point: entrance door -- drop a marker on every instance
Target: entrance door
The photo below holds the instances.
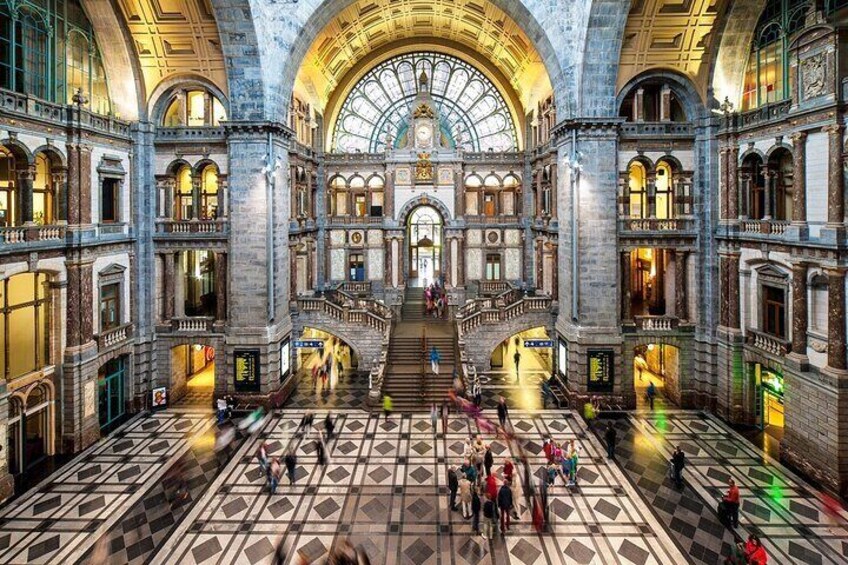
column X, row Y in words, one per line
column 425, row 246
column 111, row 392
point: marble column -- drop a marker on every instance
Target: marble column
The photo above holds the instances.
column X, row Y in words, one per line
column 460, row 264
column 389, row 196
column 169, row 286
column 768, row 178
column 626, row 286
column 799, row 180
column 680, row 306
column 387, row 260
column 724, row 202
column 195, row 197
column 639, row 105
column 221, row 287
column 836, row 183
column 836, row 318
column 60, row 182
column 652, row 195
column 293, row 271
column 79, row 184
column 79, row 318
column 733, row 182
column 799, row 308
column 729, row 278
column 26, row 177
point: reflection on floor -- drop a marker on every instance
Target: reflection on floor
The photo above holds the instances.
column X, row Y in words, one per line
column 642, row 377
column 200, row 387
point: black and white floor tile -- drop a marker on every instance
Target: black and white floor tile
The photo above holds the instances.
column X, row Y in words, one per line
column 385, row 489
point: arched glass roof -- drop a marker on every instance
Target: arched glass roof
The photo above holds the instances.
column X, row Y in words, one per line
column 471, row 109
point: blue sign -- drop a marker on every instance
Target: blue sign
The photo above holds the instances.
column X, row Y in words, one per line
column 538, row 343
column 309, row 343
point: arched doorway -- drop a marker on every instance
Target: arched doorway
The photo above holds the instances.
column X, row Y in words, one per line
column 317, row 348
column 193, row 374
column 425, row 237
column 30, row 431
column 522, row 362
column 656, row 363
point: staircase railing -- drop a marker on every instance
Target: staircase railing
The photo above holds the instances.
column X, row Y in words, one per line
column 507, row 306
column 378, row 371
column 347, row 308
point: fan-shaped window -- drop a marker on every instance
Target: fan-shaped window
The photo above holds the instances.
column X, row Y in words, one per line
column 375, row 182
column 473, row 182
column 492, row 181
column 357, row 182
column 338, row 182
column 194, row 108
column 473, row 113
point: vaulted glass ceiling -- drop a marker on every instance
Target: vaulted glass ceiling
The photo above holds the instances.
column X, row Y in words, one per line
column 473, row 113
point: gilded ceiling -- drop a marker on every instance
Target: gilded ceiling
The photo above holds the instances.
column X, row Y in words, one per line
column 175, row 36
column 368, row 25
column 670, row 34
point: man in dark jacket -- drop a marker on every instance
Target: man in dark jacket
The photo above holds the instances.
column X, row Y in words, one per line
column 475, row 510
column 502, row 411
column 453, row 486
column 488, row 460
column 329, row 426
column 678, row 461
column 291, row 462
column 505, row 505
column 609, row 436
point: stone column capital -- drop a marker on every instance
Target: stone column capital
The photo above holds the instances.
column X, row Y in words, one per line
column 798, row 137
column 833, row 129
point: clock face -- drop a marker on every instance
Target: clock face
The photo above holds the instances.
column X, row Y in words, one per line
column 423, row 134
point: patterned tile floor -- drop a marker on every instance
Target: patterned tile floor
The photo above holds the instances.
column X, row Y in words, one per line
column 58, row 521
column 797, row 523
column 385, row 488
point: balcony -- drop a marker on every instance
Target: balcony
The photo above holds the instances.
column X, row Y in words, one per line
column 655, row 324
column 767, row 343
column 763, row 227
column 111, row 338
column 192, row 228
column 18, row 235
column 657, row 129
column 656, row 225
column 356, row 220
column 199, row 324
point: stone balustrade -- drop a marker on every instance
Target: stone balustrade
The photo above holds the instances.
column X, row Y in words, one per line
column 657, row 225
column 199, row 324
column 657, row 129
column 497, row 311
column 764, row 227
column 346, row 308
column 657, row 323
column 24, row 234
column 356, row 287
column 60, row 115
column 767, row 343
column 115, row 336
column 190, row 227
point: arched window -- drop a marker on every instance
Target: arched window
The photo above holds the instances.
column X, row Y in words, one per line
column 53, row 63
column 24, row 324
column 375, row 188
column 767, row 73
column 42, row 191
column 638, row 190
column 753, row 185
column 182, row 194
column 470, row 107
column 209, row 193
column 665, row 191
column 194, row 107
column 779, row 184
column 8, row 194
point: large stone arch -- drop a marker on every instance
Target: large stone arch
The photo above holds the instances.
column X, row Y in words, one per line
column 558, row 42
column 732, row 56
column 680, row 84
column 604, row 36
column 126, row 87
column 243, row 54
column 423, row 200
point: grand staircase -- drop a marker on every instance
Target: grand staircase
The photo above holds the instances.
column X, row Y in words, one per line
column 408, row 378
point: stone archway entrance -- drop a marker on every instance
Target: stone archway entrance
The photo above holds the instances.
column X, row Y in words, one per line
column 425, row 237
column 656, row 363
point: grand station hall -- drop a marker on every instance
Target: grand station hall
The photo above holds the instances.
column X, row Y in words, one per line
column 424, row 282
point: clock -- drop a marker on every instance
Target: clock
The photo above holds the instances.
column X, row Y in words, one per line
column 423, row 134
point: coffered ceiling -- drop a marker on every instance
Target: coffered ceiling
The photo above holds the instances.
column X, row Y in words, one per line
column 366, row 26
column 173, row 37
column 670, row 34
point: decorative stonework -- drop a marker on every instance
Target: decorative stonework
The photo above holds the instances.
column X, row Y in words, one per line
column 813, row 75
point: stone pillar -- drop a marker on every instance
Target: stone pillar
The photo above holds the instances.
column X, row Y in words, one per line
column 460, row 263
column 724, row 201
column 665, row 103
column 79, row 184
column 799, row 180
column 459, row 194
column 25, row 179
column 396, row 266
column 652, row 195
column 639, row 105
column 195, row 197
column 729, row 266
column 799, row 309
column 733, row 182
column 79, row 319
column 389, row 195
column 836, row 318
column 680, row 306
column 293, row 271
column 60, row 182
column 626, row 286
column 659, row 280
column 221, row 287
column 169, row 286
column 768, row 196
column 387, row 259
column 836, row 182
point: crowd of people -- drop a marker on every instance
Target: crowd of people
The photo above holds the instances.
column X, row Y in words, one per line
column 435, row 300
